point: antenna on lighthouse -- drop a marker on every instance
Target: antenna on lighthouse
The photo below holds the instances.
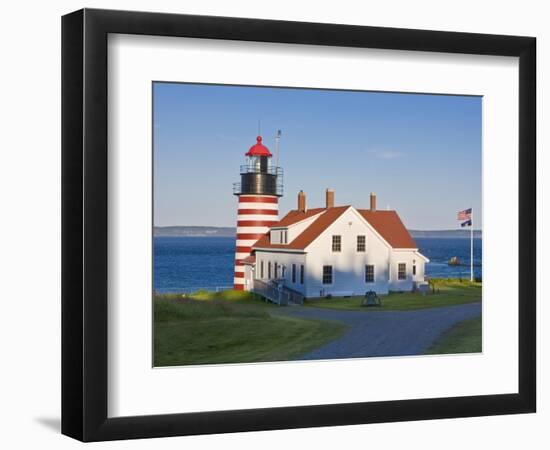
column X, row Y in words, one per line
column 277, row 141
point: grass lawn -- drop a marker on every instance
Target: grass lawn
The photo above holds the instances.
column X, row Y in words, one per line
column 231, row 327
column 464, row 337
column 228, row 297
column 448, row 292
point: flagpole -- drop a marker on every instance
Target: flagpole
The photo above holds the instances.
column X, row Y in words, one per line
column 472, row 245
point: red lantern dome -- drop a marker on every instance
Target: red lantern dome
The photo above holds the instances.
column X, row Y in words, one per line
column 259, row 149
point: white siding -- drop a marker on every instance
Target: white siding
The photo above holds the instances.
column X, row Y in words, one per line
column 279, row 236
column 409, row 258
column 348, row 265
column 248, row 277
column 275, row 236
column 282, row 259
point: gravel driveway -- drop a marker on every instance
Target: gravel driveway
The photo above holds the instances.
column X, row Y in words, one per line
column 388, row 333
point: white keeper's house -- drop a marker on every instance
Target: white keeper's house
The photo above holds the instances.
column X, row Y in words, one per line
column 336, row 250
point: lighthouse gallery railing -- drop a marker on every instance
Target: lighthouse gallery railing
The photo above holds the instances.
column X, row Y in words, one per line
column 237, row 189
column 271, row 170
column 274, row 182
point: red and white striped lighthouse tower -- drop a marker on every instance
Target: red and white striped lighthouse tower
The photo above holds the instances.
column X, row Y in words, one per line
column 258, row 209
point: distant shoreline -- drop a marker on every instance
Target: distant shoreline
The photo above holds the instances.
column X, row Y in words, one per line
column 205, row 231
column 445, row 234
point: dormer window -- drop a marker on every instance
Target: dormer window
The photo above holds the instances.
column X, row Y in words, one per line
column 279, row 236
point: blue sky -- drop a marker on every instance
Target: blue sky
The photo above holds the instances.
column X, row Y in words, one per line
column 420, row 153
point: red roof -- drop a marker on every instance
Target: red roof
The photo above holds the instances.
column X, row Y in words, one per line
column 259, row 149
column 307, row 236
column 389, row 226
column 386, row 223
column 296, row 216
column 249, row 260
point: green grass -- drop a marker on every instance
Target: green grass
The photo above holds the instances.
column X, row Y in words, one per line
column 464, row 337
column 447, row 292
column 226, row 297
column 231, row 327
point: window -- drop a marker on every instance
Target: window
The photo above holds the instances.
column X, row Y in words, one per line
column 302, row 274
column 327, row 274
column 283, row 271
column 261, row 270
column 414, row 269
column 336, row 243
column 402, row 271
column 369, row 273
column 276, row 270
column 269, row 270
column 283, row 236
column 361, row 243
column 294, row 273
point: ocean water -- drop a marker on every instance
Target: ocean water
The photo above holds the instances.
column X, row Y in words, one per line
column 439, row 251
column 184, row 264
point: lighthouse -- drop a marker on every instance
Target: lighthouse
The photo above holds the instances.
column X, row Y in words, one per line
column 258, row 207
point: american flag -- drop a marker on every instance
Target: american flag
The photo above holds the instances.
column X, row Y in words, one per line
column 465, row 215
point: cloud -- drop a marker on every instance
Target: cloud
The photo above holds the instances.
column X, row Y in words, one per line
column 386, row 154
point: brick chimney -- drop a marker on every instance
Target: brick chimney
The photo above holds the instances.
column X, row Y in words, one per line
column 329, row 198
column 301, row 201
column 372, row 201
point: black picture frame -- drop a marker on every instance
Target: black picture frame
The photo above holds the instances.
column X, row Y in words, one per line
column 84, row 224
